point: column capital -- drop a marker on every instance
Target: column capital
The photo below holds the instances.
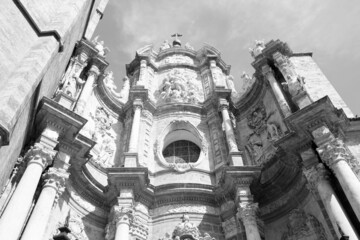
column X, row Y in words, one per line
column 137, row 103
column 122, row 215
column 247, row 212
column 333, row 152
column 56, row 177
column 266, row 70
column 223, row 104
column 39, row 154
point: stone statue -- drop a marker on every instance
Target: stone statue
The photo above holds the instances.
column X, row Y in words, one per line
column 257, row 50
column 110, row 85
column 247, row 81
column 73, row 85
column 165, row 45
column 188, row 46
column 99, row 45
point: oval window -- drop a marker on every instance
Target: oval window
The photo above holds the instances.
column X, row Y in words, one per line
column 181, row 151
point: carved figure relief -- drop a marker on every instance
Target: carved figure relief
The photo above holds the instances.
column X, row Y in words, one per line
column 302, row 226
column 72, row 82
column 177, row 87
column 265, row 130
column 105, row 137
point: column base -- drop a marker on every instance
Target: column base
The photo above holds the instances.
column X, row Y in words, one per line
column 131, row 159
column 65, row 100
column 235, row 159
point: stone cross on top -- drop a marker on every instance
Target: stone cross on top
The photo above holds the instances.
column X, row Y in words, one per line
column 176, row 42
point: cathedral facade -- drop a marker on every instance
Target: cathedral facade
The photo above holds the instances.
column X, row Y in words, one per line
column 176, row 152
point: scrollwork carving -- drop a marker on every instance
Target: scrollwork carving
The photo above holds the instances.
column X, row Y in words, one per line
column 303, row 226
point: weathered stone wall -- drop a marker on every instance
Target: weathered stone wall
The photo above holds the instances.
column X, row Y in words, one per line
column 317, row 84
column 29, row 61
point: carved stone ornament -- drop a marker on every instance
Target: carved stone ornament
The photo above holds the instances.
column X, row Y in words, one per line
column 139, row 228
column 123, row 95
column 315, row 175
column 118, row 215
column 230, row 227
column 76, row 225
column 302, row 226
column 99, row 45
column 265, row 131
column 257, row 50
column 40, row 154
column 165, row 45
column 335, row 151
column 104, row 135
column 187, row 230
column 247, row 212
column 176, row 88
column 191, row 130
column 56, row 177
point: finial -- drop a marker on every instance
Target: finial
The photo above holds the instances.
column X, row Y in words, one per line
column 176, row 42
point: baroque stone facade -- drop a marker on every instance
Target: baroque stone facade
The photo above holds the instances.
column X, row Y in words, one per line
column 177, row 152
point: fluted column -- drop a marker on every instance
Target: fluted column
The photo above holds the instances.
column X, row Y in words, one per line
column 247, row 212
column 269, row 74
column 135, row 128
column 229, row 131
column 318, row 181
column 336, row 156
column 87, row 89
column 294, row 83
column 53, row 187
column 14, row 216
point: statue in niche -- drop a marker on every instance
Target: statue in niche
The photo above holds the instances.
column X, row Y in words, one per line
column 165, row 45
column 254, row 145
column 99, row 45
column 302, row 226
column 73, row 84
column 257, row 50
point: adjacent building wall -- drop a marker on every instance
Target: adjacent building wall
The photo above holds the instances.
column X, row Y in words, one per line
column 30, row 60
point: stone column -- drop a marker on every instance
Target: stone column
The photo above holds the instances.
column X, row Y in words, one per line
column 337, row 157
column 294, row 83
column 318, row 182
column 53, row 187
column 247, row 212
column 269, row 74
column 121, row 217
column 87, row 89
column 15, row 214
column 229, row 131
column 135, row 128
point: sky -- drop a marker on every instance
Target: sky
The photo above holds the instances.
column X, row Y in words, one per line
column 328, row 28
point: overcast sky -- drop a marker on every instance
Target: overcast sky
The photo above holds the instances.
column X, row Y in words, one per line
column 328, row 28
